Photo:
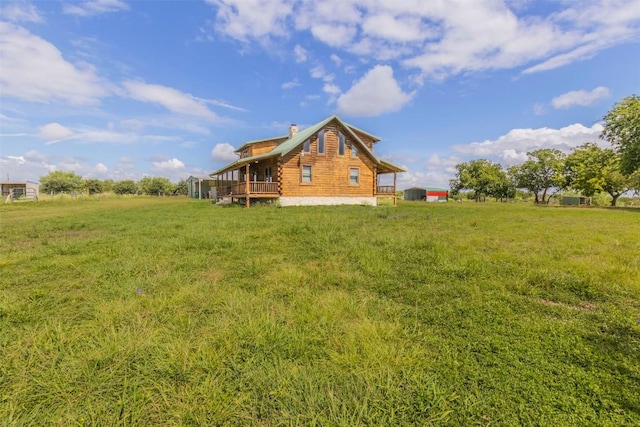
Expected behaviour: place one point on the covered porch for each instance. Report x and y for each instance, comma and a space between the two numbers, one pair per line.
247, 179
386, 181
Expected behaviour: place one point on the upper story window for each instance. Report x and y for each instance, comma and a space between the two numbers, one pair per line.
354, 150
321, 142
306, 147
245, 153
341, 142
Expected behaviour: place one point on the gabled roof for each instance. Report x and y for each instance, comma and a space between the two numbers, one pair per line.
291, 143
248, 143
375, 138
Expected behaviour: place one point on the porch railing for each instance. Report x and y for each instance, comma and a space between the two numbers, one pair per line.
255, 187
385, 189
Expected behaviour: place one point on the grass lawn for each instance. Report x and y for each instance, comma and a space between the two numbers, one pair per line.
169, 311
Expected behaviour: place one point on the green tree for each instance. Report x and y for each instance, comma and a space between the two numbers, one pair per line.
126, 186
156, 186
59, 181
92, 186
181, 188
622, 130
541, 173
591, 169
107, 185
482, 176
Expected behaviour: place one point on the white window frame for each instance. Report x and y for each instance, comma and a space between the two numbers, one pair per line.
302, 174
357, 176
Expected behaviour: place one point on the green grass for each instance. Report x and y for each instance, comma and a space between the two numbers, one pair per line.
454, 314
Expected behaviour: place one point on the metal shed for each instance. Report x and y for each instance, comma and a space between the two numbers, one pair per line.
14, 190
575, 201
430, 194
415, 193
201, 187
435, 194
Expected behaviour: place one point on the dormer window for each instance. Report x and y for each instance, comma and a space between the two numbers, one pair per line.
341, 142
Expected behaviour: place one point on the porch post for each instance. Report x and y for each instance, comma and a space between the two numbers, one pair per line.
247, 179
394, 189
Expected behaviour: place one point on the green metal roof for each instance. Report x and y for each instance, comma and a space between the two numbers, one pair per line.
375, 138
286, 146
255, 141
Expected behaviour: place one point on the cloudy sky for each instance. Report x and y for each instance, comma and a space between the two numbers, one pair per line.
123, 88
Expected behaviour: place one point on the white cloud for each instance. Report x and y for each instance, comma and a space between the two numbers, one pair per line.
539, 109
335, 35
170, 98
300, 53
28, 166
580, 97
168, 165
331, 88
336, 59
55, 132
442, 38
101, 168
374, 94
512, 147
21, 11
252, 19
290, 84
94, 7
223, 153
34, 70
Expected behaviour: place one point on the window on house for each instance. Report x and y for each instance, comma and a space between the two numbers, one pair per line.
306, 173
341, 143
245, 153
267, 174
321, 142
307, 146
354, 150
354, 176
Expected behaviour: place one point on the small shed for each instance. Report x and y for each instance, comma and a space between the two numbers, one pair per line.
575, 201
430, 194
415, 193
437, 194
201, 187
15, 190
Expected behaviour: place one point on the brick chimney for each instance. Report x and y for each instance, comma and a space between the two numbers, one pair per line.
293, 129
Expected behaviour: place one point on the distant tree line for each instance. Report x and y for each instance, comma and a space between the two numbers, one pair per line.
588, 169
70, 182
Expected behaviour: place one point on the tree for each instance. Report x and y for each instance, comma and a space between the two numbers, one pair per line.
92, 186
591, 169
107, 185
155, 186
622, 130
542, 172
181, 188
59, 182
482, 176
125, 187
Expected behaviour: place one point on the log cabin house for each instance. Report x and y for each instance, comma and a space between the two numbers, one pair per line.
328, 163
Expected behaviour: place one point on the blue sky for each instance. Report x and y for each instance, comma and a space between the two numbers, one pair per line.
125, 89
